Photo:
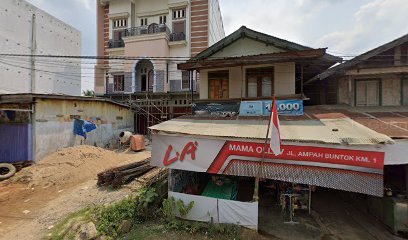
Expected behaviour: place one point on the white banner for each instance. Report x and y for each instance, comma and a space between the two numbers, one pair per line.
204, 208
208, 209
183, 153
216, 156
241, 213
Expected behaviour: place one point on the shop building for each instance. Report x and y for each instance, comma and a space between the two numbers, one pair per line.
35, 125
217, 155
378, 77
372, 89
197, 150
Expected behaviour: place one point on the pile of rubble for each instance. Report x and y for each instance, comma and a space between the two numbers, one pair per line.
72, 165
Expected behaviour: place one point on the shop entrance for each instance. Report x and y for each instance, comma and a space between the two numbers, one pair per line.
217, 198
212, 185
284, 210
335, 214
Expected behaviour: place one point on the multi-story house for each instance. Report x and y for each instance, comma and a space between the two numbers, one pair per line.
152, 35
378, 77
319, 154
230, 141
28, 30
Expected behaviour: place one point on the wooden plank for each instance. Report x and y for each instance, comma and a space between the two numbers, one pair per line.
383, 70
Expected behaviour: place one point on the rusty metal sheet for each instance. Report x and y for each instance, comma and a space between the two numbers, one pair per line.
332, 131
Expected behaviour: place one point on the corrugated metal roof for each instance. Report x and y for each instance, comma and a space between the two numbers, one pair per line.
389, 120
331, 131
341, 68
29, 97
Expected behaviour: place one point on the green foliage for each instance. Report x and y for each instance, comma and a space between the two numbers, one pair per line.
146, 197
110, 217
88, 93
230, 230
171, 206
183, 209
169, 209
63, 228
216, 231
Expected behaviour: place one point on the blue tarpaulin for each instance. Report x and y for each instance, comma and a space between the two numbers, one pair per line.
81, 127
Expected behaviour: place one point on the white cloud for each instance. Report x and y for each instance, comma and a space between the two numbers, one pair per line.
374, 24
277, 17
292, 20
88, 4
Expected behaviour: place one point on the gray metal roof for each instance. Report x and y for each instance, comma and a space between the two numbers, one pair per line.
339, 69
329, 131
30, 97
244, 32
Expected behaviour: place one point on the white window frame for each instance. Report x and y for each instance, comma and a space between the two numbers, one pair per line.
143, 21
163, 19
179, 14
119, 23
122, 75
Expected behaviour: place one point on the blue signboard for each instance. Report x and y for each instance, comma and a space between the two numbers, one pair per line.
263, 108
251, 108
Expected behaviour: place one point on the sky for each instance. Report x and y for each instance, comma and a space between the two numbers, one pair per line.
345, 27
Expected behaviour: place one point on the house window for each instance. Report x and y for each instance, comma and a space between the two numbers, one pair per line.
163, 19
404, 91
218, 84
179, 14
143, 22
118, 83
367, 92
179, 27
260, 82
185, 80
117, 35
120, 23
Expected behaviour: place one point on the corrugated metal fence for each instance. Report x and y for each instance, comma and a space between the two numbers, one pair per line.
15, 143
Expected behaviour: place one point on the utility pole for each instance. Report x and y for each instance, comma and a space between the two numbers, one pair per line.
33, 50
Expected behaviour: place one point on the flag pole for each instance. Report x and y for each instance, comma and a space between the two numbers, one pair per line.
256, 191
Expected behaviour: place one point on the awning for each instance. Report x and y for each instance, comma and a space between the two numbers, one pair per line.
333, 153
349, 169
291, 56
329, 131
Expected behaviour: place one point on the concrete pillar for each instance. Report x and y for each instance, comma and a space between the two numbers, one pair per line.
350, 91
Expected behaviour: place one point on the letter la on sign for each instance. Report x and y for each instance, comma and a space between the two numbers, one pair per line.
189, 149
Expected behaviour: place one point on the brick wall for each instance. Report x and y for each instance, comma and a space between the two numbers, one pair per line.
106, 33
199, 26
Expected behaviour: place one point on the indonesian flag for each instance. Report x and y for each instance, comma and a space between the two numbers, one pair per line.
276, 141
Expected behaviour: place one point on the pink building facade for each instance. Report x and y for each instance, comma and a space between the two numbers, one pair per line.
151, 35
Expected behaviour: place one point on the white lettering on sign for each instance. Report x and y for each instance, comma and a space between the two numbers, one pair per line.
339, 157
310, 154
363, 159
241, 148
288, 106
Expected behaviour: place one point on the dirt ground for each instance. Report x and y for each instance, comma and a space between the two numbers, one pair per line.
332, 218
343, 220
37, 197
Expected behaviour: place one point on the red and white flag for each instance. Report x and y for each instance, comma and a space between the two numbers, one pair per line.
274, 130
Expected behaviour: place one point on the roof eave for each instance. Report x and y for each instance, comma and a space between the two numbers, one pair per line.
294, 56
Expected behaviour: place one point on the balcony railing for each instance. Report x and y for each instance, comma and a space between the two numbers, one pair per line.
177, 36
151, 29
116, 43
